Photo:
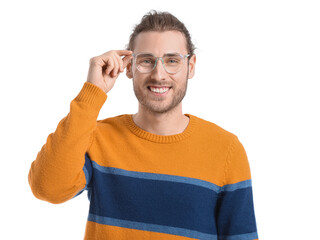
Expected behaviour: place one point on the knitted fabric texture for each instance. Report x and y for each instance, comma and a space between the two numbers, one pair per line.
191, 185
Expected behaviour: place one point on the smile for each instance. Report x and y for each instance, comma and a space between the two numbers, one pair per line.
159, 91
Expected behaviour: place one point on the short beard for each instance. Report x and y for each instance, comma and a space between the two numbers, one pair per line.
158, 108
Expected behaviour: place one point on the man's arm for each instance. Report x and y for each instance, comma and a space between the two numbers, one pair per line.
235, 211
60, 170
57, 173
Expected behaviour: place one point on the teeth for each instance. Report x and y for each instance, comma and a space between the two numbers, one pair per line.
159, 90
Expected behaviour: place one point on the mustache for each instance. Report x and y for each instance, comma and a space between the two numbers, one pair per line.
158, 84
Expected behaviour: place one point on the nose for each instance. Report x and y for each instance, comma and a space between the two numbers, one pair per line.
159, 72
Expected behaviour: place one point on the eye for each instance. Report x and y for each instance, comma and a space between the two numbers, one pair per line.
147, 60
173, 61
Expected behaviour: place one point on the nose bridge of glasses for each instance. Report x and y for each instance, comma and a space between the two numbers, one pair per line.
156, 63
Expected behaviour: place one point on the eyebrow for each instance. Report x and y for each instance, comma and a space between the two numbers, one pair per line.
171, 54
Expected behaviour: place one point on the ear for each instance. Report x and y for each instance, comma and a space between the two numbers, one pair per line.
192, 65
129, 70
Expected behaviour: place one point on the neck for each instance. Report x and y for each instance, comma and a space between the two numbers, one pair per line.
161, 123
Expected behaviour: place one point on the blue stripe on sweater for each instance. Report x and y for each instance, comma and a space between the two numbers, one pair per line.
246, 236
235, 213
155, 176
236, 186
87, 169
152, 201
172, 178
170, 204
151, 227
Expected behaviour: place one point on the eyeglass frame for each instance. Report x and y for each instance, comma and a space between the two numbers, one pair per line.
156, 62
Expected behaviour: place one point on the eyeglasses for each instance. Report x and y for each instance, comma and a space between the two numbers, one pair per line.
146, 62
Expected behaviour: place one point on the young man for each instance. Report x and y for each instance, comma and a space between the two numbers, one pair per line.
156, 174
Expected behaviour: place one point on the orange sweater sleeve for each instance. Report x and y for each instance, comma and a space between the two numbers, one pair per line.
236, 207
56, 175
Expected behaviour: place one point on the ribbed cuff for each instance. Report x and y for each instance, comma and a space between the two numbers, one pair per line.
92, 95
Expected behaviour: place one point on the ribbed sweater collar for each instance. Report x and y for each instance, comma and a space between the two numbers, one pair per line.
161, 138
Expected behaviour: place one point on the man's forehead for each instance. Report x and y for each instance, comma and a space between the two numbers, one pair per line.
160, 43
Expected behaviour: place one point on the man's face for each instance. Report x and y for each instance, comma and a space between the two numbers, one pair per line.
159, 44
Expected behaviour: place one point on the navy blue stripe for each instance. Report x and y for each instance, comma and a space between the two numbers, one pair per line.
155, 176
235, 212
246, 236
173, 178
159, 202
87, 169
236, 186
151, 227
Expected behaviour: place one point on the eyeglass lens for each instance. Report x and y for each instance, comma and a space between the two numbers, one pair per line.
146, 62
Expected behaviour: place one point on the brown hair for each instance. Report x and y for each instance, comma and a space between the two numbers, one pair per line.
161, 21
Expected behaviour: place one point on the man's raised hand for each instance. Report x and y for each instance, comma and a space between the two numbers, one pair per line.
105, 69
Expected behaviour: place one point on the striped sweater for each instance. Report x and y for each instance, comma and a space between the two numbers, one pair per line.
191, 185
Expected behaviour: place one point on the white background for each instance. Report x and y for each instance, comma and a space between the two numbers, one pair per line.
257, 76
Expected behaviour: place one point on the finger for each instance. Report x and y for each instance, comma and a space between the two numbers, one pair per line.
123, 52
110, 66
105, 57
126, 60
116, 66
119, 62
